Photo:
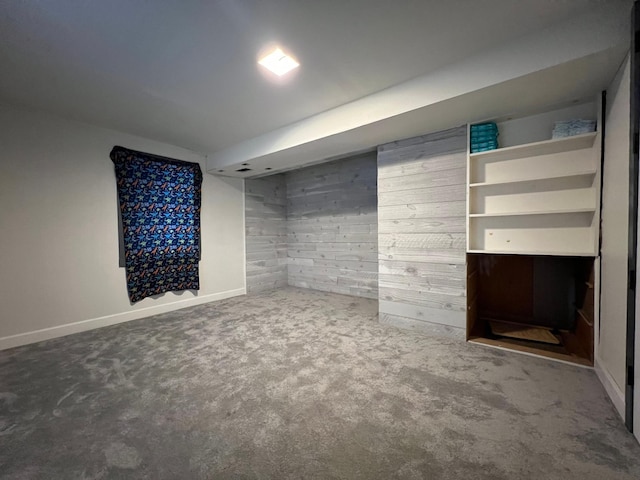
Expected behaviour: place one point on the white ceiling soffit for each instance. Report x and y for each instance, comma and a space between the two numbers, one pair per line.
184, 72
569, 61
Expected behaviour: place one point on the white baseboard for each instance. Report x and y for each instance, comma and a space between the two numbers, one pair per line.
93, 323
610, 386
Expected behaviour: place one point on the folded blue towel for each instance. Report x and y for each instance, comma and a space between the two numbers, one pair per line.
483, 137
484, 127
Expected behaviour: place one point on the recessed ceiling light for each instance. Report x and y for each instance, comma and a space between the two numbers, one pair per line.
278, 62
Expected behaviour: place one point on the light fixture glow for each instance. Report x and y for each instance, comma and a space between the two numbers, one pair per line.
278, 62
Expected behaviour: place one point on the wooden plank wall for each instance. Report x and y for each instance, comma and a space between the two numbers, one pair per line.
421, 232
332, 226
266, 233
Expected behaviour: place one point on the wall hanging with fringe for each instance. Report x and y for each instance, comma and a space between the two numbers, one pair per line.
159, 214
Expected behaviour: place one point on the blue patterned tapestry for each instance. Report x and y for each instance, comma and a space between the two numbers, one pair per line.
159, 200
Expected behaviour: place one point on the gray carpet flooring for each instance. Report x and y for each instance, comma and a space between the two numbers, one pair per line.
297, 384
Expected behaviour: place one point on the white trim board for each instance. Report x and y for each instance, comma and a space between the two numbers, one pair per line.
244, 234
610, 386
93, 323
530, 354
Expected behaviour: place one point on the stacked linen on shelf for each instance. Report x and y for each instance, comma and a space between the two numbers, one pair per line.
484, 136
569, 128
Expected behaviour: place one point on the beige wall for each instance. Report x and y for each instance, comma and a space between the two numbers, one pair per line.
615, 202
59, 239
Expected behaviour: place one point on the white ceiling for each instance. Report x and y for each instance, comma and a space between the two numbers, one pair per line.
184, 71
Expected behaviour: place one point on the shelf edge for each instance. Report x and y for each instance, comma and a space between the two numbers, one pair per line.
542, 145
537, 179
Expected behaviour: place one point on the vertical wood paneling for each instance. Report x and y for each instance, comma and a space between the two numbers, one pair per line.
421, 207
266, 233
332, 227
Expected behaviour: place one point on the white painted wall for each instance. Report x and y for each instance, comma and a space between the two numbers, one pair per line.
59, 237
615, 201
536, 128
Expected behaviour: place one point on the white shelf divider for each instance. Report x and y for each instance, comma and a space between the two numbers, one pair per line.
536, 252
540, 212
541, 178
546, 147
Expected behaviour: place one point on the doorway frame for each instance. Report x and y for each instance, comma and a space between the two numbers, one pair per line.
632, 260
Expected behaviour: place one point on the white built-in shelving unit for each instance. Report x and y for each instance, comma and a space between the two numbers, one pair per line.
531, 204
537, 198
